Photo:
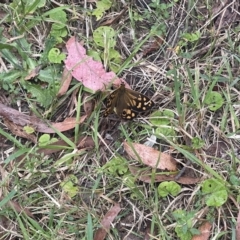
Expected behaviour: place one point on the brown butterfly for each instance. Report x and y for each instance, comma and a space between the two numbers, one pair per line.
127, 103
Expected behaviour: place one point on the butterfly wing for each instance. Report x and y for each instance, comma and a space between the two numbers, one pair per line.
131, 102
111, 103
127, 103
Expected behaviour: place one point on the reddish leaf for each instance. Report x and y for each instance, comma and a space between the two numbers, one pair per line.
18, 131
16, 118
86, 143
86, 70
101, 233
33, 73
154, 46
67, 124
88, 104
205, 232
150, 156
66, 80
146, 176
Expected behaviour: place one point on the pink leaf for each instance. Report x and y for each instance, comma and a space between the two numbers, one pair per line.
101, 233
86, 70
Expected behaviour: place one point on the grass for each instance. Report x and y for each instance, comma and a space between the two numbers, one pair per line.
63, 190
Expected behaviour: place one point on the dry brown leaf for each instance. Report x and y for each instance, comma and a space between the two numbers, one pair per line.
33, 73
101, 233
67, 124
88, 104
114, 18
19, 131
66, 80
154, 46
18, 208
86, 142
150, 156
16, 118
146, 176
205, 232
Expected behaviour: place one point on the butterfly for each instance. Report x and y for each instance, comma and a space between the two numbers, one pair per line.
127, 103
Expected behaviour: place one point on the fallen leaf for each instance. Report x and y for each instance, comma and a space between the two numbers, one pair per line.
154, 46
146, 176
115, 18
18, 208
101, 233
66, 125
16, 118
88, 104
86, 70
19, 131
205, 232
66, 80
33, 73
86, 142
150, 156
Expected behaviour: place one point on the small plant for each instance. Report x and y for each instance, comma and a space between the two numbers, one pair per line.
215, 192
58, 28
117, 166
69, 185
197, 143
163, 121
214, 100
45, 140
104, 37
184, 227
168, 188
101, 7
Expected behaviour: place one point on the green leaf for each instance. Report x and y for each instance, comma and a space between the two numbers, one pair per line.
105, 37
191, 37
43, 96
95, 55
51, 75
116, 166
214, 100
45, 140
181, 234
167, 131
168, 188
29, 129
69, 185
217, 199
159, 118
114, 60
59, 32
101, 7
197, 143
55, 56
216, 193
60, 16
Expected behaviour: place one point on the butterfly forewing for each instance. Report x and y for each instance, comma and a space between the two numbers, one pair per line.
127, 103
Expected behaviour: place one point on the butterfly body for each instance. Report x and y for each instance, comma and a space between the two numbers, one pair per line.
127, 103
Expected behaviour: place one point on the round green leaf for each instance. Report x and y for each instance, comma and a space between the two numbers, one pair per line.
214, 100
105, 37
168, 188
